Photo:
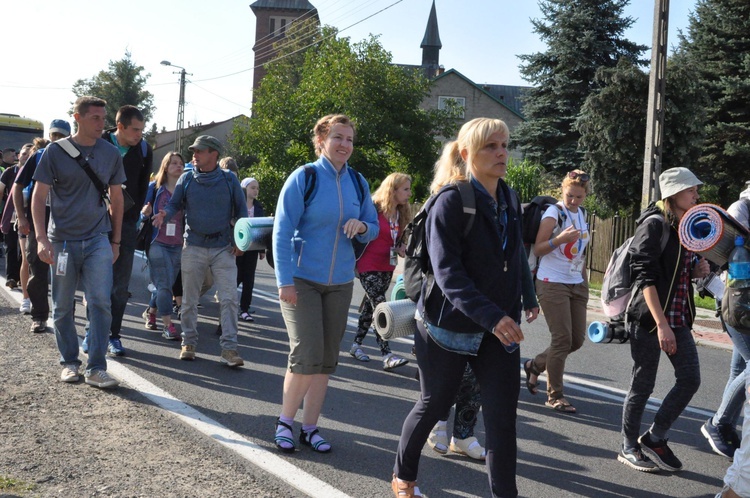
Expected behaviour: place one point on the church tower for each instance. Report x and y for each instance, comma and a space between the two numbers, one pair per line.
271, 20
431, 46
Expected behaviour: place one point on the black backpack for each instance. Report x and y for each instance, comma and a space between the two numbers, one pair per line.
417, 261
532, 216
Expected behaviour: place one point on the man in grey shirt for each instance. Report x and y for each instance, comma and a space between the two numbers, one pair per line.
77, 244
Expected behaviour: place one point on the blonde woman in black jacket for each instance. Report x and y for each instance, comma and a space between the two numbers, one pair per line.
660, 317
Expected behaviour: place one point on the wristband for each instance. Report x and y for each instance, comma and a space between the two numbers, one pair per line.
553, 246
115, 243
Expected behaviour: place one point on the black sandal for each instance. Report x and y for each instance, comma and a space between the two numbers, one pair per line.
306, 439
278, 439
530, 370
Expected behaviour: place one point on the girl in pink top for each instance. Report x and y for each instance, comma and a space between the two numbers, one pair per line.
377, 263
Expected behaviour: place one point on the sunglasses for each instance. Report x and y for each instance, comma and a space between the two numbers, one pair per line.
583, 177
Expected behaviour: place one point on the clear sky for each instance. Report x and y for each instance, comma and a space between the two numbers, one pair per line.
48, 45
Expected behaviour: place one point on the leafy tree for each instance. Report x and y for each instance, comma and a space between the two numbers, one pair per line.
582, 36
612, 125
122, 83
336, 76
717, 48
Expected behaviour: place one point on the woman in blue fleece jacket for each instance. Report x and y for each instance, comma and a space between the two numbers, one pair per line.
314, 264
472, 313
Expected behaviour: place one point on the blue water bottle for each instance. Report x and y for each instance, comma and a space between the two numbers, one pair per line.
739, 265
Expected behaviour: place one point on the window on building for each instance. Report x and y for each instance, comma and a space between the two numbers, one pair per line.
455, 104
278, 26
272, 26
282, 30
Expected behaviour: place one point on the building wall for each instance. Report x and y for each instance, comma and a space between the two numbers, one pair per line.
263, 47
477, 103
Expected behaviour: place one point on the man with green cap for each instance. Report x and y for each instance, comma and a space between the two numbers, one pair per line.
211, 199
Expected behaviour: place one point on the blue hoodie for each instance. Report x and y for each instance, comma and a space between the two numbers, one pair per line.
309, 241
208, 206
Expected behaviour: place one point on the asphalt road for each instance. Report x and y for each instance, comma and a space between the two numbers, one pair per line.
559, 455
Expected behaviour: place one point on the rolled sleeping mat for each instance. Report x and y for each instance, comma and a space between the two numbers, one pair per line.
399, 291
708, 230
253, 234
395, 319
607, 332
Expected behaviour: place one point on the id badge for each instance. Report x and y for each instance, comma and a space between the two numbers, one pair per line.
62, 264
394, 257
576, 266
171, 229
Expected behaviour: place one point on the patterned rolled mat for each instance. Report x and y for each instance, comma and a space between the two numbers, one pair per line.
395, 319
253, 234
710, 231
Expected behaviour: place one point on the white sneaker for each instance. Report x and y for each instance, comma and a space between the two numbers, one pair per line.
70, 373
25, 306
101, 379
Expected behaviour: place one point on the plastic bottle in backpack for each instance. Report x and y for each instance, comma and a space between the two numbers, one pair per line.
739, 265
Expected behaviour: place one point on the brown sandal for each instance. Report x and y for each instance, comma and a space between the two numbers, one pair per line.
560, 405
530, 370
405, 489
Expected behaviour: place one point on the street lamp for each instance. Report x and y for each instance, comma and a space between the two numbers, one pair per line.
180, 106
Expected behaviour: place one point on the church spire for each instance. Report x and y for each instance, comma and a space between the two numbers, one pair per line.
431, 45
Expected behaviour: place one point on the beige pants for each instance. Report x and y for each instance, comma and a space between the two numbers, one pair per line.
564, 308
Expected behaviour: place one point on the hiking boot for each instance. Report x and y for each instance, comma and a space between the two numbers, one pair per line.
635, 459
356, 351
170, 332
70, 373
392, 362
101, 379
25, 307
187, 352
231, 358
85, 343
150, 320
11, 284
39, 326
722, 438
115, 348
660, 453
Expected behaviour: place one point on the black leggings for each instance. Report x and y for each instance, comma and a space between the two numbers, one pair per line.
440, 374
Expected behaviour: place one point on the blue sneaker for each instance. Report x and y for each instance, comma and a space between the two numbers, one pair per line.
115, 348
85, 344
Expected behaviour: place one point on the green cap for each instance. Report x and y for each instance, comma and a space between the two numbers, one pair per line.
207, 141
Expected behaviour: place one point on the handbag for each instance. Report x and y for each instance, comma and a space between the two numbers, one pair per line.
144, 235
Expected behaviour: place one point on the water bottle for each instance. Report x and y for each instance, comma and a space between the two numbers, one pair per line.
739, 265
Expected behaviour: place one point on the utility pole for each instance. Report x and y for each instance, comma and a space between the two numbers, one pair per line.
180, 112
180, 107
655, 117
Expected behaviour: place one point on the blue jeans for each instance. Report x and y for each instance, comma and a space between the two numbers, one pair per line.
163, 265
89, 261
645, 351
734, 392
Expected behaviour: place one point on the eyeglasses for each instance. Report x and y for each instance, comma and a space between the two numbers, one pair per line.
583, 177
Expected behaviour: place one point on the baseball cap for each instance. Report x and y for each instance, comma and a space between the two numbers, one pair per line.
60, 126
207, 141
675, 180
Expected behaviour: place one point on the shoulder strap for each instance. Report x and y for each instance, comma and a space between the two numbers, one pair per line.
310, 179
67, 145
357, 180
469, 202
144, 148
665, 230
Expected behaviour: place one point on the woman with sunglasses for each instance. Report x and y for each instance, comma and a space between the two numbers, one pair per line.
562, 287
